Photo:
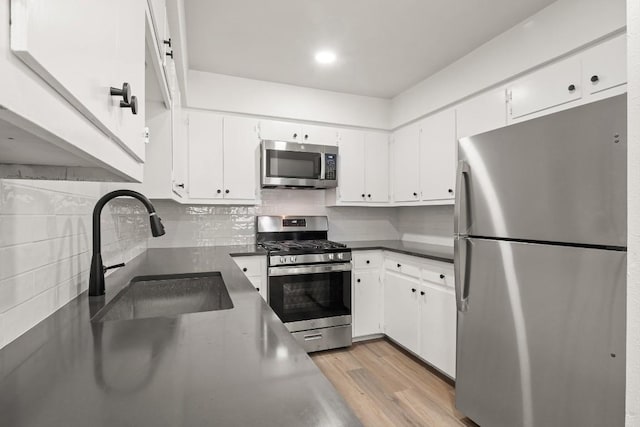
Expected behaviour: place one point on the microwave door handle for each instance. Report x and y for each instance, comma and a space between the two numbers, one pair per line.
322, 166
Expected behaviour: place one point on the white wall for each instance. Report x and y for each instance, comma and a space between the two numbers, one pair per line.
633, 188
560, 28
427, 224
224, 93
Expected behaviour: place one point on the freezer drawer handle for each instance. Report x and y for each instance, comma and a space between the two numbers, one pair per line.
460, 264
459, 220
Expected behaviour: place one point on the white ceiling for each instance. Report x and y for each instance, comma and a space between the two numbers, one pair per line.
383, 46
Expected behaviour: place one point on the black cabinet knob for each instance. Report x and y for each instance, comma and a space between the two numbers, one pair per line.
133, 104
226, 191
180, 185
442, 276
244, 269
170, 54
571, 88
358, 280
258, 289
362, 195
219, 191
421, 292
369, 195
399, 265
595, 78
125, 92
415, 194
450, 191
295, 135
368, 262
413, 289
306, 136
167, 42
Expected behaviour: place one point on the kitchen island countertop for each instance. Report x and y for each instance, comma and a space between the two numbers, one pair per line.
237, 367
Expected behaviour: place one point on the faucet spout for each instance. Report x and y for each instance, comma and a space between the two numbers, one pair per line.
96, 274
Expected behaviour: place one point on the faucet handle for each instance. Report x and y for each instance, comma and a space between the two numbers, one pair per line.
105, 268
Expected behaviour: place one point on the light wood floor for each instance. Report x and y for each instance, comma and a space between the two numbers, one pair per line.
385, 386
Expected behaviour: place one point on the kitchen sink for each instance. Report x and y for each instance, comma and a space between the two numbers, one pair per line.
166, 296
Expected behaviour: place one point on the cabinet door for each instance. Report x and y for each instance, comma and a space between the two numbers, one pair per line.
376, 177
438, 156
158, 10
241, 156
367, 303
401, 309
551, 86
351, 166
205, 156
280, 131
482, 113
179, 148
405, 164
320, 135
78, 48
605, 66
438, 327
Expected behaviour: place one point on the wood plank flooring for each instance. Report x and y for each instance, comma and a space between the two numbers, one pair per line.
385, 386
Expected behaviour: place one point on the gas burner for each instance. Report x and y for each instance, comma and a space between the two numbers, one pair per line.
301, 245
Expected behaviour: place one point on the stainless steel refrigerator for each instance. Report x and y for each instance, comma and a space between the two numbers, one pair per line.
540, 258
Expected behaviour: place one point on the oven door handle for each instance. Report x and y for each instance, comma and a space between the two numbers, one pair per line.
309, 269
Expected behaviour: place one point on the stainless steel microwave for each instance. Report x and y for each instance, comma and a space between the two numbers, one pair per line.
298, 165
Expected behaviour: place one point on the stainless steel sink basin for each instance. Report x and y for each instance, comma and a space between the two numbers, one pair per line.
166, 296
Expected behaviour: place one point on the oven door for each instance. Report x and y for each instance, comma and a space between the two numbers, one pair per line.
311, 296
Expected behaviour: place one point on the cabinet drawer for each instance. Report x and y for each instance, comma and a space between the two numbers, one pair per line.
251, 265
441, 276
401, 266
366, 259
605, 66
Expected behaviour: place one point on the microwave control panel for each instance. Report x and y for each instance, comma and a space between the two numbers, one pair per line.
330, 166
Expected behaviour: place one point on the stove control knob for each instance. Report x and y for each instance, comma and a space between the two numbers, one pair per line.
340, 256
330, 256
292, 259
283, 259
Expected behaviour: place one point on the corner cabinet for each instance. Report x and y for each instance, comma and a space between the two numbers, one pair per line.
363, 169
223, 159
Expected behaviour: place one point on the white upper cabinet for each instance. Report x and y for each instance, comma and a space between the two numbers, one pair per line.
241, 158
82, 49
206, 174
179, 148
223, 158
376, 155
557, 84
482, 113
405, 164
605, 66
351, 167
438, 156
296, 132
158, 10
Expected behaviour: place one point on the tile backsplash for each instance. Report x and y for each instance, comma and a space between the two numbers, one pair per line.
201, 225
430, 224
45, 245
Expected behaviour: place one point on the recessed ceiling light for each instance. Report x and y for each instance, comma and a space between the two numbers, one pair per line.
325, 57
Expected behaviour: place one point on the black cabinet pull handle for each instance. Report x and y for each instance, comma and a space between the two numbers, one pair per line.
167, 42
595, 78
180, 185
226, 191
358, 280
413, 289
450, 191
571, 88
399, 265
421, 292
244, 269
368, 262
125, 92
442, 276
170, 54
258, 289
219, 191
133, 105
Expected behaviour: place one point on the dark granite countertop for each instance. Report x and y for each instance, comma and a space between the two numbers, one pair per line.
423, 250
238, 367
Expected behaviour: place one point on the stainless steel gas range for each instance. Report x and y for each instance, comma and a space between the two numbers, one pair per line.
309, 279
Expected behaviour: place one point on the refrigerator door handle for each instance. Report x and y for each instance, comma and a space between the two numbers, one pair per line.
460, 265
460, 220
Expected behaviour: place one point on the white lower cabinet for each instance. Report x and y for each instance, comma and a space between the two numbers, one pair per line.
367, 306
255, 268
438, 327
401, 309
